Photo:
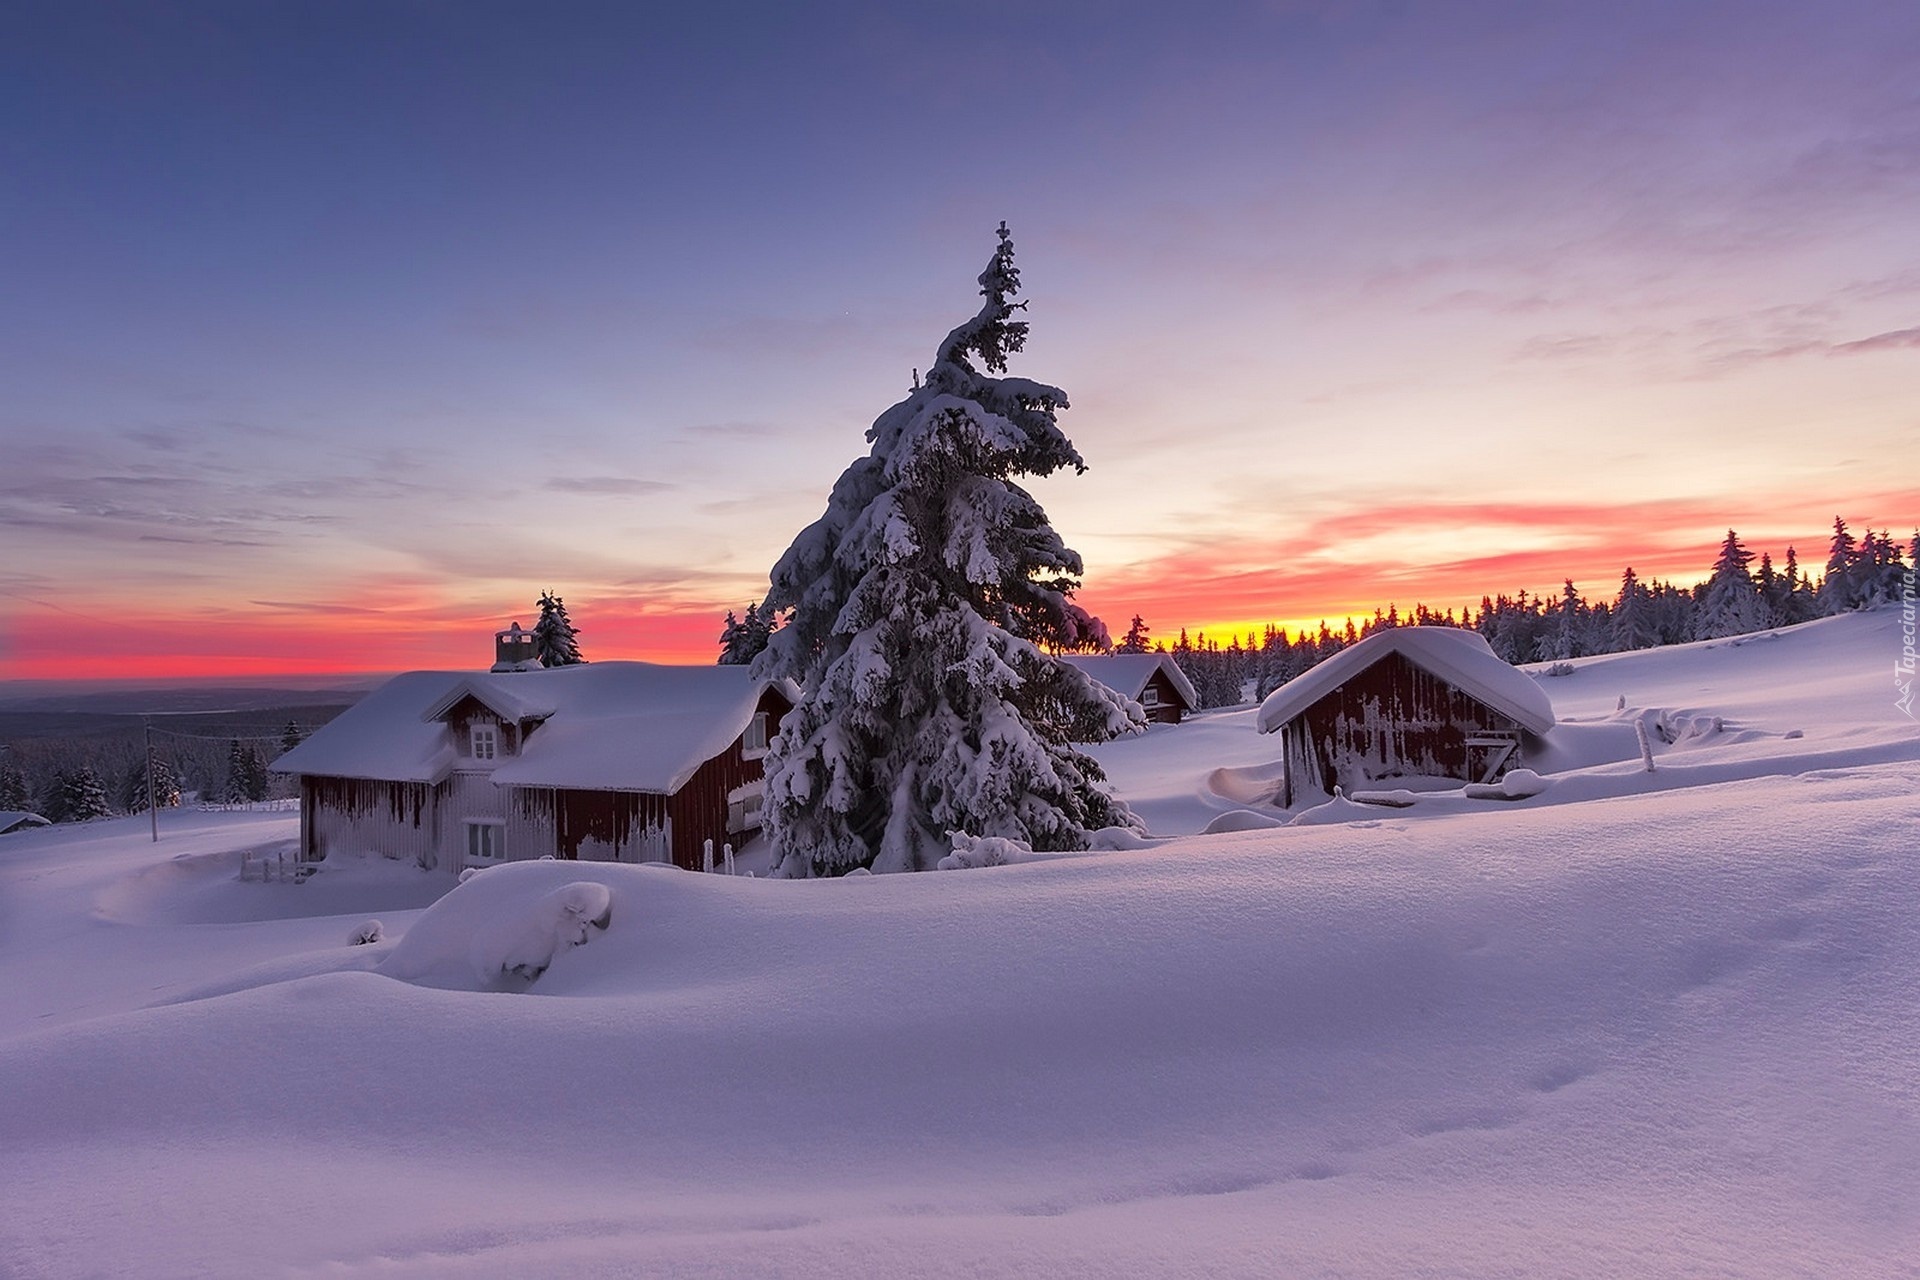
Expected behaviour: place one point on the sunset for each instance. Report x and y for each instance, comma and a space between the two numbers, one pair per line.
335, 335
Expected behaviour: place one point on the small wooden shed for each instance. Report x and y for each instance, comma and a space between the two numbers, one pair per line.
1153, 680
1403, 703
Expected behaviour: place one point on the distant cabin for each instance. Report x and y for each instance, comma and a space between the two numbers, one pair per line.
1405, 702
609, 761
1153, 680
12, 820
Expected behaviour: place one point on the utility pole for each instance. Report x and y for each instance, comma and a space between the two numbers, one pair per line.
153, 801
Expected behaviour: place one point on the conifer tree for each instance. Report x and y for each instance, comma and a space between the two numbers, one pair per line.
742, 639
239, 785
1838, 592
1730, 604
1135, 641
83, 796
556, 640
920, 602
1799, 604
290, 737
14, 795
166, 787
1633, 626
1568, 639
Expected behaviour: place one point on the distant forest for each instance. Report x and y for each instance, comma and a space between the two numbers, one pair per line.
1736, 598
72, 766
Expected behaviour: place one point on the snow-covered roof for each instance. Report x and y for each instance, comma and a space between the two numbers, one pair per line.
14, 819
1128, 673
1462, 658
613, 726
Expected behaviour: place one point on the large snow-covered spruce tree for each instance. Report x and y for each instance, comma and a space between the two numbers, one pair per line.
920, 602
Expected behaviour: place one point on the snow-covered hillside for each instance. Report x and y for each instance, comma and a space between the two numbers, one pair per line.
1607, 1030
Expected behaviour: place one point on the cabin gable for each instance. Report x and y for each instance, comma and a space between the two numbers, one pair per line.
1161, 701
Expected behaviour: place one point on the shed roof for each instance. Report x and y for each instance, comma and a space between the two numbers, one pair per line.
608, 726
16, 819
1128, 673
1462, 658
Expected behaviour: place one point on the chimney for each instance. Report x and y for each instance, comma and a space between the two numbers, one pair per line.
513, 650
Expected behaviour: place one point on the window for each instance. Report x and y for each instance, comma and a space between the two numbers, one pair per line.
486, 741
744, 806
486, 842
753, 743
1150, 697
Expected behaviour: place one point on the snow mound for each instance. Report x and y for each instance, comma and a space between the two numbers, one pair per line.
498, 928
1250, 784
1338, 809
1518, 784
1243, 820
1109, 839
983, 851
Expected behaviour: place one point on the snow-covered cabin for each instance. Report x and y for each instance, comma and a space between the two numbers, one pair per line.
1405, 702
1154, 680
608, 761
20, 820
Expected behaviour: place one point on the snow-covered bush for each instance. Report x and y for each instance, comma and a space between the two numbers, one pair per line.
371, 931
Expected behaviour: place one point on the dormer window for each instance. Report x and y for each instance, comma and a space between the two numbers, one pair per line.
753, 743
485, 740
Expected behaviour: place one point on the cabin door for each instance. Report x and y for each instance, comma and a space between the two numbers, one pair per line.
1488, 754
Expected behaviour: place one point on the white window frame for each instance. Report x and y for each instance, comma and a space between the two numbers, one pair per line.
1150, 696
483, 741
753, 742
486, 843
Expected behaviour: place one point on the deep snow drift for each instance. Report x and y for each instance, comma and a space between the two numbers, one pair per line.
1663, 1031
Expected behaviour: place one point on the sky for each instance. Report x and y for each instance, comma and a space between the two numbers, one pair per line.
331, 334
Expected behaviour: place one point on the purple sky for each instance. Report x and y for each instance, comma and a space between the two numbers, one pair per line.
386, 317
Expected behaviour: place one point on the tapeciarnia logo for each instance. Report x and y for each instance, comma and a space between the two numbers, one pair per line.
1904, 664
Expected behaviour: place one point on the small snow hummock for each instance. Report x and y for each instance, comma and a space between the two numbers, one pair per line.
370, 932
1338, 809
499, 928
1242, 820
983, 851
1517, 784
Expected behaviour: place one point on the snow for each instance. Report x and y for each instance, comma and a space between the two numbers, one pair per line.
494, 928
1638, 1024
19, 820
1462, 658
625, 726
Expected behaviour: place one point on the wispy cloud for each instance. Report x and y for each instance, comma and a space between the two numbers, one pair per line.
628, 486
1892, 340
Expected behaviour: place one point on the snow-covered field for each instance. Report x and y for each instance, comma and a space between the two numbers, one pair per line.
1637, 1024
